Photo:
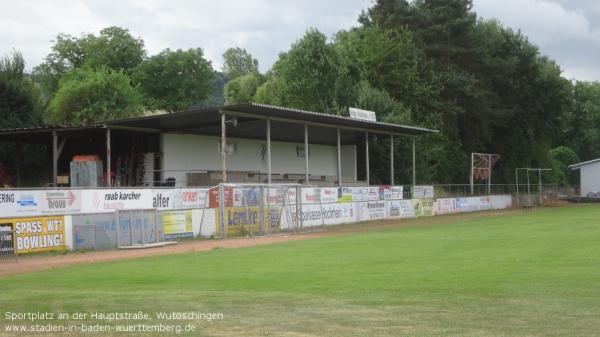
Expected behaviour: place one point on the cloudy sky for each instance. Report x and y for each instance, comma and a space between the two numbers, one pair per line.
566, 30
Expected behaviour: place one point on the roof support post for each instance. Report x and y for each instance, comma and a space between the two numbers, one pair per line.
54, 158
414, 162
367, 156
268, 151
108, 159
306, 172
391, 160
339, 157
223, 148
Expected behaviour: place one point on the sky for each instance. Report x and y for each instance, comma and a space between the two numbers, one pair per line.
567, 31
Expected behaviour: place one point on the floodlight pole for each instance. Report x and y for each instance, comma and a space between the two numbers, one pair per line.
268, 151
391, 160
306, 173
223, 148
339, 157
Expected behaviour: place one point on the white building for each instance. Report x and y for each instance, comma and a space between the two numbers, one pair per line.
589, 177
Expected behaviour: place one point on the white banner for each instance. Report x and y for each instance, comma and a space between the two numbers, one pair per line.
180, 198
329, 194
500, 201
372, 210
19, 203
422, 192
106, 201
280, 195
394, 193
472, 204
311, 195
446, 206
316, 215
373, 194
399, 209
359, 193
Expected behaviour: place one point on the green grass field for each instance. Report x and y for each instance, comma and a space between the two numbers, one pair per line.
526, 274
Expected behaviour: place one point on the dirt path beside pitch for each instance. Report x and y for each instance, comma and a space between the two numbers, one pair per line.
31, 263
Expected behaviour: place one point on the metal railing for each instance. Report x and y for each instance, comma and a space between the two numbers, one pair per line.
8, 251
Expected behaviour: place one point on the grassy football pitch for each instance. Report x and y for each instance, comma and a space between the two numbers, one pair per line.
523, 274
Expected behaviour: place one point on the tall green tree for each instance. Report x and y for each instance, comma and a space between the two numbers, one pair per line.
243, 89
312, 75
238, 62
114, 48
21, 105
175, 80
92, 95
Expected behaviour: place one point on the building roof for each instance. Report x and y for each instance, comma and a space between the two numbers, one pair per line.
263, 111
286, 124
579, 165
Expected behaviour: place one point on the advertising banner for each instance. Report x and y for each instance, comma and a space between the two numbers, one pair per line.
473, 204
500, 201
241, 221
311, 195
177, 224
213, 197
423, 207
60, 201
317, 215
280, 195
7, 246
372, 210
19, 203
246, 196
180, 198
109, 200
37, 234
359, 193
422, 192
400, 209
372, 194
395, 193
344, 194
329, 194
446, 206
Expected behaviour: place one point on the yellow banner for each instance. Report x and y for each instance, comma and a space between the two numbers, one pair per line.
177, 222
423, 207
241, 221
38, 234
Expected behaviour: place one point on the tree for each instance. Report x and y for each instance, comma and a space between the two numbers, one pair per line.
560, 158
21, 105
175, 80
243, 89
92, 95
114, 48
583, 120
238, 62
312, 76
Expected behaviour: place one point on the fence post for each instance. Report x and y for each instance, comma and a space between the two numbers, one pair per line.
261, 215
222, 211
156, 225
117, 224
142, 225
131, 228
